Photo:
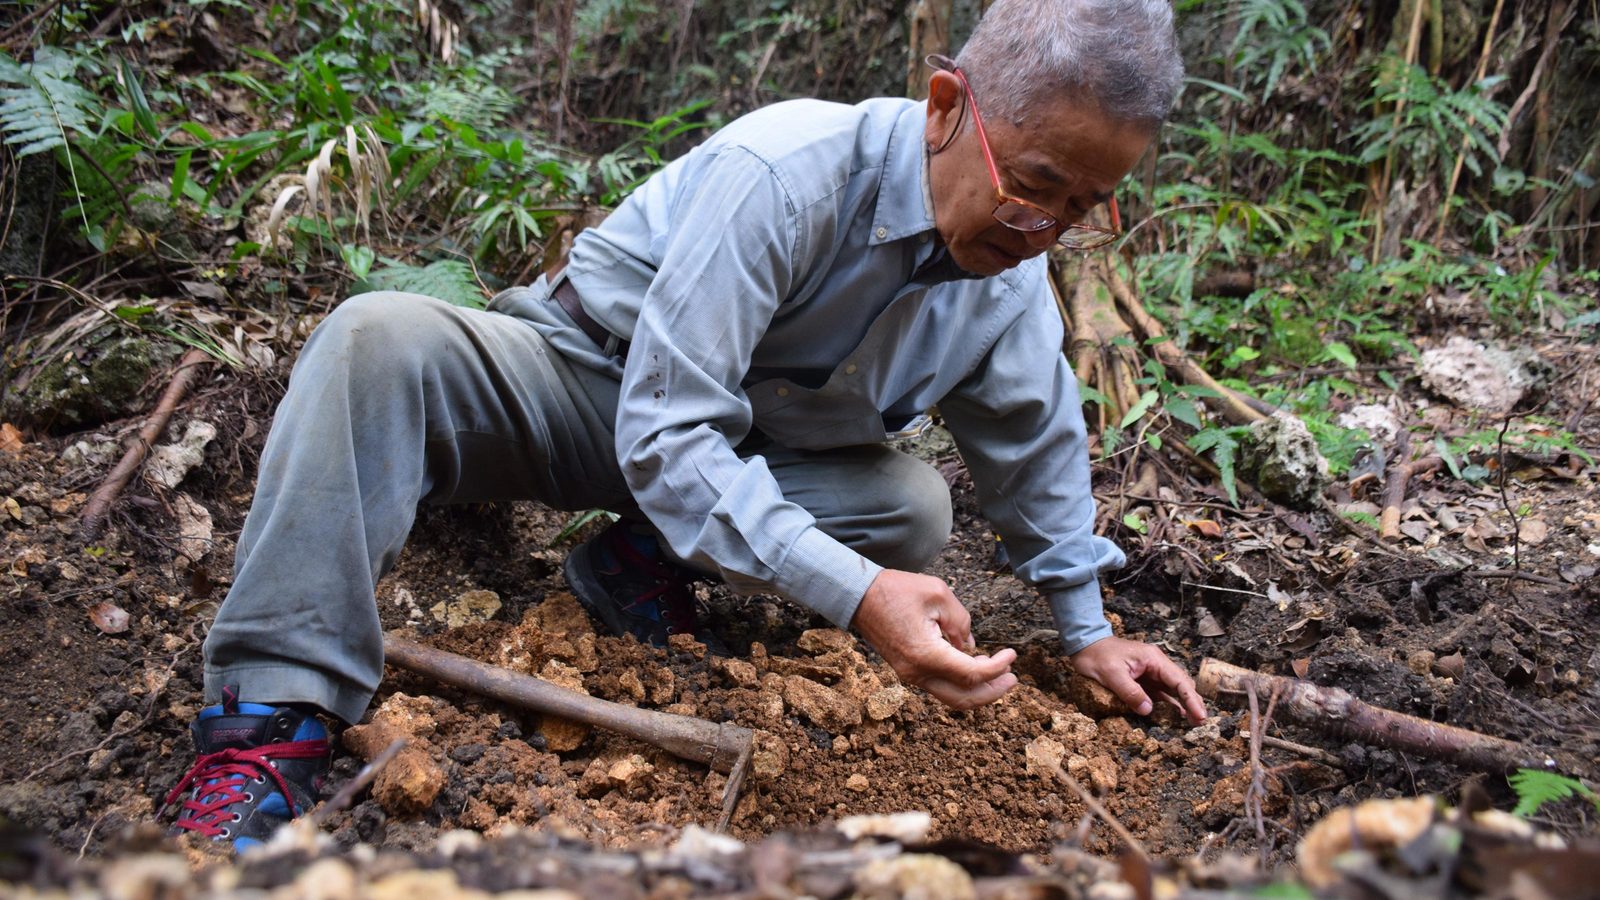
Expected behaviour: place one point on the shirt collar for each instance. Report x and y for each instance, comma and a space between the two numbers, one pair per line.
905, 204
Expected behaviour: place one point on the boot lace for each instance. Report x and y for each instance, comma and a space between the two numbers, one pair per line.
671, 588
220, 778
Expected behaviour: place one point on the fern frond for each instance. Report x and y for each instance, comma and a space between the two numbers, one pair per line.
1536, 787
41, 103
450, 280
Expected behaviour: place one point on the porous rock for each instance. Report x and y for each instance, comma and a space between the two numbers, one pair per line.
1043, 754
740, 672
821, 704
914, 876
1100, 771
886, 702
169, 463
410, 782
1282, 459
818, 641
563, 735
468, 608
1092, 698
858, 783
1480, 377
1072, 727
770, 756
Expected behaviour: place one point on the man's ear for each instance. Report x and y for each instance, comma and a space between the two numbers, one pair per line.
944, 109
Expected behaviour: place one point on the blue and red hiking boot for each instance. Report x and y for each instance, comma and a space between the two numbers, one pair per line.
621, 578
256, 767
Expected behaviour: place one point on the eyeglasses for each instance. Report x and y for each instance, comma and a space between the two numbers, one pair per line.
1018, 214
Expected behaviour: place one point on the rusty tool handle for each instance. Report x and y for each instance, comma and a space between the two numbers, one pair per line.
718, 745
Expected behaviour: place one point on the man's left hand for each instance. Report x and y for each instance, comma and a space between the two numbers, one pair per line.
1134, 671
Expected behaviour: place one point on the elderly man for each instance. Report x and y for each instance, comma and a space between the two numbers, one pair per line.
723, 362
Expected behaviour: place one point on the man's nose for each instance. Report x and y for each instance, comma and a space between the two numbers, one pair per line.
1041, 239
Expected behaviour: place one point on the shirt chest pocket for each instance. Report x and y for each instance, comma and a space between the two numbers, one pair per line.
808, 419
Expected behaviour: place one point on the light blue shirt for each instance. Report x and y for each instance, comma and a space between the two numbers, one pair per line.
786, 276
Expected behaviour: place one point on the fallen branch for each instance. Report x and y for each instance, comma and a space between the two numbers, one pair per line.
1394, 493
1338, 712
94, 512
367, 775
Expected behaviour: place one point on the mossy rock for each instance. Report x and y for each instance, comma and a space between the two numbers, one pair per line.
98, 381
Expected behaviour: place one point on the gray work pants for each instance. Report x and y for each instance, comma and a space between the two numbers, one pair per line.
398, 399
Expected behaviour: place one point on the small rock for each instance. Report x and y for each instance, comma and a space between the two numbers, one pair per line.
563, 735
1100, 771
821, 704
148, 875
1073, 727
740, 672
1283, 460
409, 783
818, 641
686, 643
629, 681
769, 707
326, 879
1473, 376
886, 702
914, 876
841, 745
1420, 662
596, 779
1092, 698
857, 782
1043, 753
903, 828
1206, 735
169, 463
469, 608
770, 758
1373, 418
412, 883
560, 613
194, 527
630, 773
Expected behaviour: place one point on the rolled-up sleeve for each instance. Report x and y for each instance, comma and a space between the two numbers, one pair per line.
1019, 424
681, 410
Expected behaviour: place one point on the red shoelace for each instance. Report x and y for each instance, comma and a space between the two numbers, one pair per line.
671, 590
222, 777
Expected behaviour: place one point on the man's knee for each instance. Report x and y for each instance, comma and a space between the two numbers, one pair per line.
919, 515
376, 333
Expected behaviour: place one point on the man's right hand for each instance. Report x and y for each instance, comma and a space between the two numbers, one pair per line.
924, 633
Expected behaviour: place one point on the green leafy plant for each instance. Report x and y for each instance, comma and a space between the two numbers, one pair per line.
450, 280
1536, 787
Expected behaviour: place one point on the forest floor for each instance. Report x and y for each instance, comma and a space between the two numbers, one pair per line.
102, 654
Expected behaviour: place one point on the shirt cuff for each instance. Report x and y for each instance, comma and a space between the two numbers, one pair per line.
1080, 617
826, 576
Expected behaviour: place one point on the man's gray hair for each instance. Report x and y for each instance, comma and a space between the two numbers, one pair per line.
1121, 55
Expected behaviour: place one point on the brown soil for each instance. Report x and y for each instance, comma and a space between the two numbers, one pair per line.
95, 722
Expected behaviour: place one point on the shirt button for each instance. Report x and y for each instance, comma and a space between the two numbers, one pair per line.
850, 369
882, 232
783, 392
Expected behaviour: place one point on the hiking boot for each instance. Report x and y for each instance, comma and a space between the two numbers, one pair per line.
256, 768
621, 578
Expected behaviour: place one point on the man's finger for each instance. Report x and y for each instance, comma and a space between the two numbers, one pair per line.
1173, 685
955, 622
958, 697
1121, 682
946, 662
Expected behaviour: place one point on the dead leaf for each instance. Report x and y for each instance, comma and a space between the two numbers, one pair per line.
1301, 665
1210, 627
10, 438
1478, 534
1204, 527
1452, 666
13, 508
1416, 530
109, 617
1532, 531
1279, 596
1577, 573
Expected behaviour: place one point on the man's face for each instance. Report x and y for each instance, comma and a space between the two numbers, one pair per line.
1067, 160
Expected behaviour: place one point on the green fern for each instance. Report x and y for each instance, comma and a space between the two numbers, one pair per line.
41, 103
1536, 787
450, 280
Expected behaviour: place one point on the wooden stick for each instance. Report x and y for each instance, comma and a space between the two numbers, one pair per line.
1394, 493
1340, 713
94, 512
723, 746
1312, 753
